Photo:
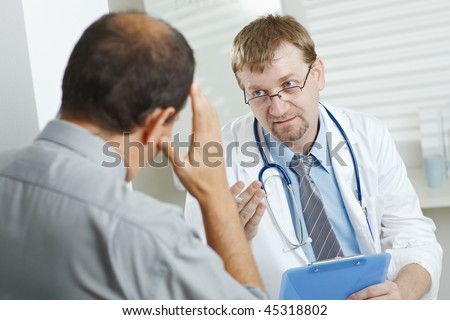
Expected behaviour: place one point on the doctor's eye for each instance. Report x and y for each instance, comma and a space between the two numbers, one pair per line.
289, 84
258, 93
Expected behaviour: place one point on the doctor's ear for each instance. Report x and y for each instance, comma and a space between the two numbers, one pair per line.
318, 70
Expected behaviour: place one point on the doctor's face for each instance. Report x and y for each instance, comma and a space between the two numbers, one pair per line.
293, 122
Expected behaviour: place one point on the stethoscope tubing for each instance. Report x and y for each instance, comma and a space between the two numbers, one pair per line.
352, 154
284, 175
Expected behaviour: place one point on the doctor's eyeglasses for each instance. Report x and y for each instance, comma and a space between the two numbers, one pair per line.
286, 94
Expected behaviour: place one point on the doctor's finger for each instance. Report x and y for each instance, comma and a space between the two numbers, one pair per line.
251, 228
248, 210
237, 188
249, 192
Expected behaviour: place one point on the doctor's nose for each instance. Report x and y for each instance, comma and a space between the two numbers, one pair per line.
278, 107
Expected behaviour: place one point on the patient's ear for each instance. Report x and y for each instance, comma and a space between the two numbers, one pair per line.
158, 124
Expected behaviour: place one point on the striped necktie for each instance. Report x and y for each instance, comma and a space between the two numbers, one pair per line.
324, 242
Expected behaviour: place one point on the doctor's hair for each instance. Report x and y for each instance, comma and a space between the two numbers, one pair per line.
255, 45
124, 66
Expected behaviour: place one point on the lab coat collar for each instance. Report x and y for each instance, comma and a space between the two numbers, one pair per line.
345, 174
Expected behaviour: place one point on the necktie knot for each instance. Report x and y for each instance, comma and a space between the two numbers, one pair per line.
302, 164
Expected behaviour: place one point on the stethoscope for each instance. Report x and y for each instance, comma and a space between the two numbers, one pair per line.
288, 183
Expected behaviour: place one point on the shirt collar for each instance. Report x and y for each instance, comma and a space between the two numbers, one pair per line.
85, 143
279, 152
282, 155
320, 148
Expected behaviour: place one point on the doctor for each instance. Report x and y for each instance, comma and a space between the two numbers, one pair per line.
355, 177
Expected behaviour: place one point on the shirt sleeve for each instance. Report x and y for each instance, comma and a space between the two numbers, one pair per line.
193, 216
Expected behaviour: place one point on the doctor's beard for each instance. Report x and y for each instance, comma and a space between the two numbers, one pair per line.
289, 133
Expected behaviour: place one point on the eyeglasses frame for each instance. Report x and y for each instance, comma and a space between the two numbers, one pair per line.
279, 92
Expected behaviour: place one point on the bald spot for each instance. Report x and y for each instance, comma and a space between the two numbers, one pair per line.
141, 28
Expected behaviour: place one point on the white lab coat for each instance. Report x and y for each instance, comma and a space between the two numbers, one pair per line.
394, 214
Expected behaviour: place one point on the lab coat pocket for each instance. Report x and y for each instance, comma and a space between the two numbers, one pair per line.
375, 209
374, 214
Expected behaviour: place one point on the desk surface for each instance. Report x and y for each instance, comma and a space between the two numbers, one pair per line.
429, 197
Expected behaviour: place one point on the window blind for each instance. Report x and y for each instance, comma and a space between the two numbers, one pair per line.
387, 58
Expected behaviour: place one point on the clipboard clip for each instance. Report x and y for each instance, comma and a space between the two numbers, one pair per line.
315, 263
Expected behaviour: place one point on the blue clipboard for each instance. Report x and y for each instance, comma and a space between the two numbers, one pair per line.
334, 279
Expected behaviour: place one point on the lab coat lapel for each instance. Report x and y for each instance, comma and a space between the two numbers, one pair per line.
345, 176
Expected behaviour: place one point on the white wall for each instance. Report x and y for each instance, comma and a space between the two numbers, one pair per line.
51, 38
36, 38
18, 117
122, 5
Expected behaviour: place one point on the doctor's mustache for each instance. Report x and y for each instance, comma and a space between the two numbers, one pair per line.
212, 154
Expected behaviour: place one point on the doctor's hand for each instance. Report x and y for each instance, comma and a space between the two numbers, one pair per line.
412, 282
388, 290
250, 205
